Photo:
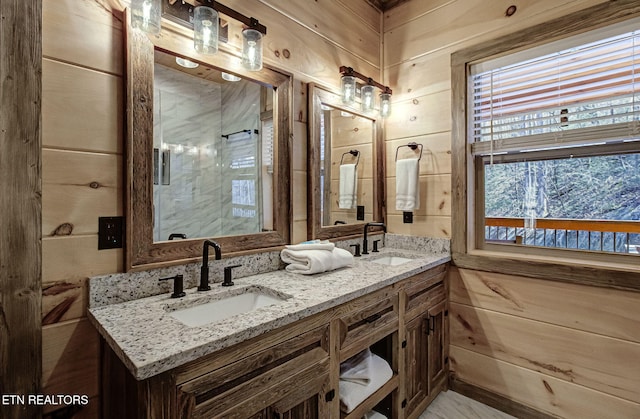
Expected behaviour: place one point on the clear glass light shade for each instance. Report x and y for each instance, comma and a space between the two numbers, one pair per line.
385, 104
146, 15
252, 50
367, 98
348, 89
205, 30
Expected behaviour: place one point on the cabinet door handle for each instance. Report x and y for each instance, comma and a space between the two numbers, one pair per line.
373, 318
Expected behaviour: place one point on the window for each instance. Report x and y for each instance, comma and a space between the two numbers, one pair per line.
547, 144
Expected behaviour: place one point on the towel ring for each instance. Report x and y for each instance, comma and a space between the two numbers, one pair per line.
354, 153
412, 146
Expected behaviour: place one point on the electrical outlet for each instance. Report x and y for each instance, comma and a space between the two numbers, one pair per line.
407, 217
360, 212
110, 232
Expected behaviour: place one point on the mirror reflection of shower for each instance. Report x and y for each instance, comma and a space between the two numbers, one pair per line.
210, 178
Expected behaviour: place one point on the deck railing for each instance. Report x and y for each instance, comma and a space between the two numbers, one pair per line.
599, 235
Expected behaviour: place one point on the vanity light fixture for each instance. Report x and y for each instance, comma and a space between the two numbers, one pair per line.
349, 87
202, 17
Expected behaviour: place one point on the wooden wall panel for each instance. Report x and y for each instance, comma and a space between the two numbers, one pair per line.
64, 300
94, 40
79, 187
419, 116
586, 338
425, 226
81, 109
408, 78
335, 22
20, 204
539, 391
365, 11
435, 196
591, 360
68, 258
411, 10
607, 312
71, 358
467, 22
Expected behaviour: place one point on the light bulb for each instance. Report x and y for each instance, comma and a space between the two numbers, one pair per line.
385, 104
348, 89
205, 30
366, 96
146, 15
252, 50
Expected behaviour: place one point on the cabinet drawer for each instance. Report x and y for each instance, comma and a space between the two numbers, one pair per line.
252, 383
361, 328
423, 293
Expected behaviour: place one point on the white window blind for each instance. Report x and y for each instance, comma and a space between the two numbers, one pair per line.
267, 144
582, 94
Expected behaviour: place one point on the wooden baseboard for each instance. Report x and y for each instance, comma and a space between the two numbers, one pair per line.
495, 400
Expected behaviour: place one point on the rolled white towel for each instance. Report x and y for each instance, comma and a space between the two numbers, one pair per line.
309, 262
357, 369
352, 394
312, 245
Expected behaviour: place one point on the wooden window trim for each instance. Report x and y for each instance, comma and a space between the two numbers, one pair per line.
613, 271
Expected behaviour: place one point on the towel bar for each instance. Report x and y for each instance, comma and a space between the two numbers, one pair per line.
412, 146
354, 153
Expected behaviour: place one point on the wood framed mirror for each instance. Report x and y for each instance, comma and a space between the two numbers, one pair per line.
256, 185
341, 135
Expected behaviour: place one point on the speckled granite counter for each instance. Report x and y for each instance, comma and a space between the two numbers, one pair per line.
149, 341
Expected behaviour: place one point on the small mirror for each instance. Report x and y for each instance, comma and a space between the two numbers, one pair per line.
207, 157
345, 167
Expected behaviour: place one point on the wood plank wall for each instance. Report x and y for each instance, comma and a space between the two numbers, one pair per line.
20, 206
82, 126
566, 350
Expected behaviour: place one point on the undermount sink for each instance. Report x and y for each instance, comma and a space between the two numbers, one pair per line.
223, 308
391, 260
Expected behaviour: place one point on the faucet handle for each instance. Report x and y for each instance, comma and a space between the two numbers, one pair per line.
228, 275
357, 249
178, 285
375, 245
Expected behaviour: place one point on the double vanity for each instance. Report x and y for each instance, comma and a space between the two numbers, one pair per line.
273, 343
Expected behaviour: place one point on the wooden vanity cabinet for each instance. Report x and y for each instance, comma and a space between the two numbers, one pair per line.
425, 345
293, 372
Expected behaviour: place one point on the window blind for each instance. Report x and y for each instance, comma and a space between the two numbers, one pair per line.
580, 95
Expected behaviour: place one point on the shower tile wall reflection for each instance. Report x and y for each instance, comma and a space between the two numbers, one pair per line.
190, 116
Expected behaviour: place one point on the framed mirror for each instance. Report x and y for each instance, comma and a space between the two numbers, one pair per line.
345, 167
208, 155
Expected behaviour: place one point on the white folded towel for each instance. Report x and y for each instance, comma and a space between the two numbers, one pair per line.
348, 186
407, 185
315, 261
357, 369
312, 245
372, 414
352, 394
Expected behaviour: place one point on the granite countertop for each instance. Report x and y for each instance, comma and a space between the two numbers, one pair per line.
149, 341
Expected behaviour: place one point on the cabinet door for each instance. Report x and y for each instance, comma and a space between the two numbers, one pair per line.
436, 344
416, 363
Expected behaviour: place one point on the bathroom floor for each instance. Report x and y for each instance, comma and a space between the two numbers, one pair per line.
451, 405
